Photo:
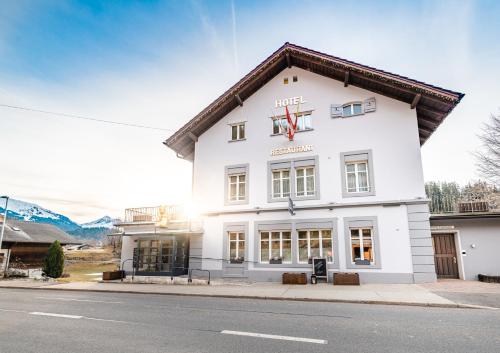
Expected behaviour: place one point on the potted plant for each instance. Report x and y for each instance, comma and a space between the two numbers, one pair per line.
275, 260
237, 260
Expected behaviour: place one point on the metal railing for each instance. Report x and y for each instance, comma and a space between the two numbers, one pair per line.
153, 214
439, 205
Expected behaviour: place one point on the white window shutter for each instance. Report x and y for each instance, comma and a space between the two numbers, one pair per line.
369, 105
336, 110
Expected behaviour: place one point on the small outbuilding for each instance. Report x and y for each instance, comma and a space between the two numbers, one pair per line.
466, 244
25, 244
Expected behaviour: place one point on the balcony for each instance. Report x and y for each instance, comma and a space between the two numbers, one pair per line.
454, 205
154, 214
160, 219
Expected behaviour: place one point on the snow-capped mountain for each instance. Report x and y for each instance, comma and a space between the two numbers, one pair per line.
26, 211
103, 222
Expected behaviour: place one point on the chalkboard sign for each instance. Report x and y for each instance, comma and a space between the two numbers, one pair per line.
319, 267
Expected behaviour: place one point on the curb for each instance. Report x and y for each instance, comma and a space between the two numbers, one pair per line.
318, 300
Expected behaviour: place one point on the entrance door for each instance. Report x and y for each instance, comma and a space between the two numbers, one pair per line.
445, 255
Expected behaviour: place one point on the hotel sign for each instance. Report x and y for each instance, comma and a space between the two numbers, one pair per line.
280, 103
292, 149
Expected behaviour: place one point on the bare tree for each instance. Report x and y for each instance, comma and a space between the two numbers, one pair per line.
488, 158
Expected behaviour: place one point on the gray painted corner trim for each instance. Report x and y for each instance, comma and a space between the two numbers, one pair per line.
229, 269
330, 206
227, 172
358, 222
421, 247
343, 176
314, 223
293, 178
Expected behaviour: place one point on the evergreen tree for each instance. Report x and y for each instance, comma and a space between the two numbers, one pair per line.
54, 262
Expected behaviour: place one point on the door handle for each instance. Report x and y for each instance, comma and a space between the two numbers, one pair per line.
454, 259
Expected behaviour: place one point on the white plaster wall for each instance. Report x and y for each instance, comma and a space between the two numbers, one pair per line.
390, 132
484, 258
392, 229
128, 245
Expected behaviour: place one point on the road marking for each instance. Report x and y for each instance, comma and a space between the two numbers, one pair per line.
56, 315
13, 311
79, 300
274, 337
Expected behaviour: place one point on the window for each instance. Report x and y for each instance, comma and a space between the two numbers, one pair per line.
236, 184
315, 243
295, 78
281, 183
352, 109
357, 176
362, 246
296, 178
237, 187
238, 132
280, 124
236, 246
285, 81
276, 247
305, 181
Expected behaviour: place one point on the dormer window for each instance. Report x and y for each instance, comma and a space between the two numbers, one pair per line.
237, 132
352, 109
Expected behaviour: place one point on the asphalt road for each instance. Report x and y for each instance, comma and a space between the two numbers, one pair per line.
58, 321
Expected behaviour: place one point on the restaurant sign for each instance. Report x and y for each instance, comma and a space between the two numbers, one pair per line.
292, 149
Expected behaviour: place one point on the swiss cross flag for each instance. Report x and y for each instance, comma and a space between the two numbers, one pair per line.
292, 127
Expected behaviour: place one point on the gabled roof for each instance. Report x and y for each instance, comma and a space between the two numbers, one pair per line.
432, 103
32, 232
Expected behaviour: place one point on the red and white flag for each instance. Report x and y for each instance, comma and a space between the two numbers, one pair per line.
292, 127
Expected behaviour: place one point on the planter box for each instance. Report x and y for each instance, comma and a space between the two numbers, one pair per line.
294, 278
113, 275
346, 279
488, 279
275, 261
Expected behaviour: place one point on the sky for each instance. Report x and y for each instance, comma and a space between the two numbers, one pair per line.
158, 63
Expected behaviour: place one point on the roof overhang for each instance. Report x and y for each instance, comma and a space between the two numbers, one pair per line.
432, 103
471, 215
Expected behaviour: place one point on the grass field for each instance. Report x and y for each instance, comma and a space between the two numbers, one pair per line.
86, 271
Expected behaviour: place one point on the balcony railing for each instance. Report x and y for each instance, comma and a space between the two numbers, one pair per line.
449, 205
154, 214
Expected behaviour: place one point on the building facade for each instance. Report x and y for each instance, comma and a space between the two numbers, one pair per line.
309, 156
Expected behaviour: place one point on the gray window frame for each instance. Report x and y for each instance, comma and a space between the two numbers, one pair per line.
343, 176
231, 131
362, 222
281, 116
293, 178
236, 169
227, 266
293, 226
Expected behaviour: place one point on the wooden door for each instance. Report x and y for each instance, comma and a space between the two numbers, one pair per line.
445, 255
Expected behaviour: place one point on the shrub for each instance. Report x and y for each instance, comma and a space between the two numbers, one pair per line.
53, 264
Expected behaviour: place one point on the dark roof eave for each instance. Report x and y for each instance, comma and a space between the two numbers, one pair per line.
286, 53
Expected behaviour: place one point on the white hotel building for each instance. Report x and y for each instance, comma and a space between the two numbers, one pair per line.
353, 172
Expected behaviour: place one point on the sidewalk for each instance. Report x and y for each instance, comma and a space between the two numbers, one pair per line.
394, 294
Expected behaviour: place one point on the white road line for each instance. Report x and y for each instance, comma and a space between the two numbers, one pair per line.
274, 337
56, 315
13, 311
80, 300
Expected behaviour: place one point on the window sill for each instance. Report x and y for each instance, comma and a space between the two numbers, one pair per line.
239, 140
346, 194
281, 134
354, 266
230, 203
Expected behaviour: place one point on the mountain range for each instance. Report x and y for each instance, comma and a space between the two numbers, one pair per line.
25, 211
